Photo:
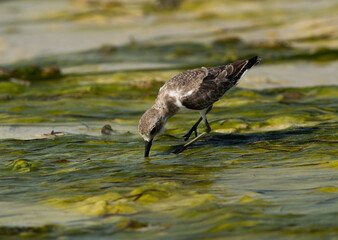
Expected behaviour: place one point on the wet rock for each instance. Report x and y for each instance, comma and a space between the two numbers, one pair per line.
4, 74
51, 72
293, 95
107, 50
22, 74
107, 130
133, 224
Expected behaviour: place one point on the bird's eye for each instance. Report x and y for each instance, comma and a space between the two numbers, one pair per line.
153, 131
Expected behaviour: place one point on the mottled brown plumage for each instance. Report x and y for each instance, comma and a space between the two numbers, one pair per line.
195, 89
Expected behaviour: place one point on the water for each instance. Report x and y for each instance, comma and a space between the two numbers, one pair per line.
267, 170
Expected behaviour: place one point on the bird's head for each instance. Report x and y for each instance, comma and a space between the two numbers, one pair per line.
150, 126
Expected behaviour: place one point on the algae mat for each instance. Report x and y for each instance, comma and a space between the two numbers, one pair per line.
268, 169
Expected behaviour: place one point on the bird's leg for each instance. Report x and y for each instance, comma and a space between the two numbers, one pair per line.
194, 127
207, 124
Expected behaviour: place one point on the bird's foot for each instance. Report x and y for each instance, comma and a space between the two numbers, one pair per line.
187, 136
185, 146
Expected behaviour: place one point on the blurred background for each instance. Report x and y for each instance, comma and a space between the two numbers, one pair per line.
86, 36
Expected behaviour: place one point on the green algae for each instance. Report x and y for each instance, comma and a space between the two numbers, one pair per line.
267, 170
27, 232
23, 166
10, 88
188, 54
269, 151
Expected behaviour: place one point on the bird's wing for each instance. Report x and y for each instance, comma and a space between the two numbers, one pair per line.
208, 90
218, 81
185, 81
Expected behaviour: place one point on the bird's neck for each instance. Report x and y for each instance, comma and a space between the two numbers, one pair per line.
162, 109
167, 108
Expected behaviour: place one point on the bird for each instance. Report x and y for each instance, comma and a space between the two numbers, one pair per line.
195, 89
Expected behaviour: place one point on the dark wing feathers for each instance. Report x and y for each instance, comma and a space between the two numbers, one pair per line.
209, 92
218, 81
238, 68
252, 62
191, 78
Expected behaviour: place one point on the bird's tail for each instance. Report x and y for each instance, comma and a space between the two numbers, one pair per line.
240, 67
252, 62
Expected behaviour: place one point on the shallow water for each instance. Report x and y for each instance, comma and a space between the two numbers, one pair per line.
267, 170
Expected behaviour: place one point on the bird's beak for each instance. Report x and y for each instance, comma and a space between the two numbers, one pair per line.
147, 147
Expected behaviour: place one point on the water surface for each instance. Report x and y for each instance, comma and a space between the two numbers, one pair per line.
267, 170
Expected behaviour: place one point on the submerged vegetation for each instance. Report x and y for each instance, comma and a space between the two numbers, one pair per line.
267, 146
71, 162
